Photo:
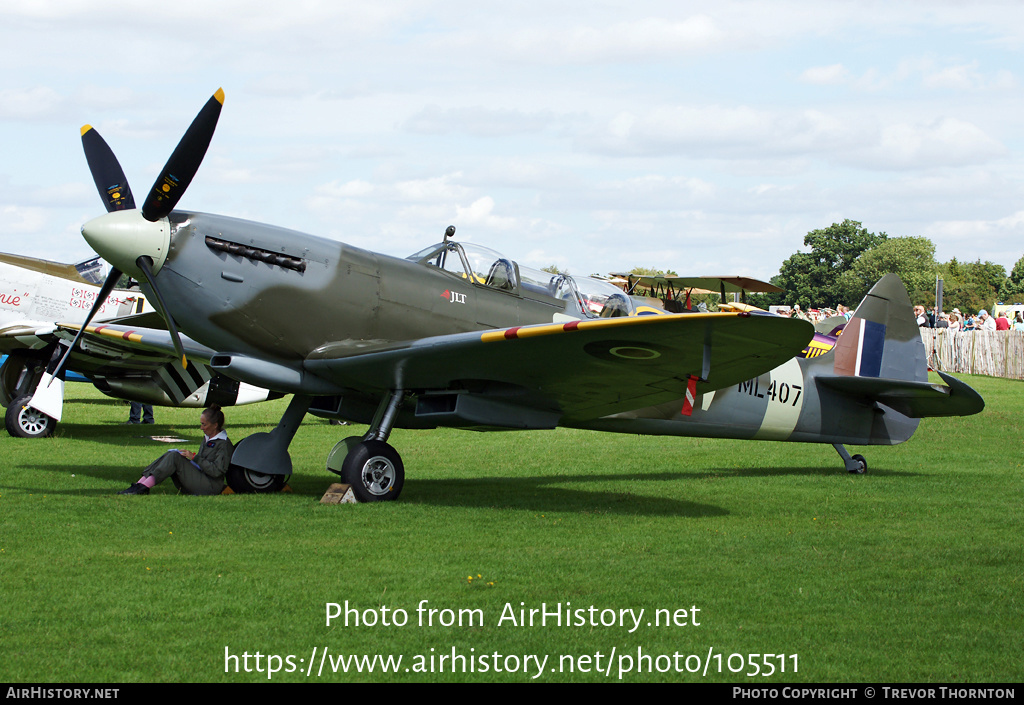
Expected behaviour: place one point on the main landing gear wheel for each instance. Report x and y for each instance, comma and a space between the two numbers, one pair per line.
374, 470
246, 481
22, 421
862, 465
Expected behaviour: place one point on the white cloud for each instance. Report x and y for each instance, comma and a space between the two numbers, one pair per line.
481, 213
744, 133
997, 240
968, 77
832, 75
20, 220
726, 132
40, 102
926, 72
350, 189
477, 121
645, 38
943, 142
439, 188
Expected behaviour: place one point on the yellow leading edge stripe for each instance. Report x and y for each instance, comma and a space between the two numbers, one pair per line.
110, 333
552, 328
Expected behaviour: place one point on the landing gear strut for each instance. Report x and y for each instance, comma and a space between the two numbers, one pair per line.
261, 462
855, 464
372, 468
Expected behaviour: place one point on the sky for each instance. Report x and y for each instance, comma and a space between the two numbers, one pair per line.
703, 137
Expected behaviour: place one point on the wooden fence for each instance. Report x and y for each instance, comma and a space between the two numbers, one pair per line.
993, 353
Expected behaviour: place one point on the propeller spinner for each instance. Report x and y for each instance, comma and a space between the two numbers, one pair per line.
137, 241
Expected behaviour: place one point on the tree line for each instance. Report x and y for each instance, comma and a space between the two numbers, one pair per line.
845, 261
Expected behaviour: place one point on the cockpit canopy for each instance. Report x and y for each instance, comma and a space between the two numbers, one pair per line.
483, 266
92, 270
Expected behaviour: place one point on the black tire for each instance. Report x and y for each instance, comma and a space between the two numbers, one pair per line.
246, 481
375, 472
861, 462
25, 422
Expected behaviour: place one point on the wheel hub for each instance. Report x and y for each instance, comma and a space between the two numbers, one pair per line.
32, 420
258, 480
378, 475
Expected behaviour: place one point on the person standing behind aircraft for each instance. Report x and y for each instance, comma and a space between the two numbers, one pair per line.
1001, 322
919, 315
199, 473
140, 413
1018, 323
985, 321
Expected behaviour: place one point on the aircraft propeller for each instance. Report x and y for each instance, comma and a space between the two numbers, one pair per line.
177, 173
106, 172
119, 239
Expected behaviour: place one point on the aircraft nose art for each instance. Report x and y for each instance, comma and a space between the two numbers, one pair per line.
121, 237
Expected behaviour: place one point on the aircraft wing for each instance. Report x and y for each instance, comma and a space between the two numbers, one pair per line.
109, 355
115, 351
135, 339
578, 369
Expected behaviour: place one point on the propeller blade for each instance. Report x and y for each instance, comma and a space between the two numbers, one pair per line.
177, 174
108, 286
145, 264
106, 172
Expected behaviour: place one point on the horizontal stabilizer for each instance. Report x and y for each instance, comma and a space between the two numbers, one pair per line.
912, 399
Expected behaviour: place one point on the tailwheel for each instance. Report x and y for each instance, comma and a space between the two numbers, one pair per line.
23, 421
374, 470
862, 464
246, 481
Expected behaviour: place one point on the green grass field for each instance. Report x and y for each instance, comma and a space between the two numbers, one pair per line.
912, 572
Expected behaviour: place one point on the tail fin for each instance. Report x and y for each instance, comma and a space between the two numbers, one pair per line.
882, 339
880, 357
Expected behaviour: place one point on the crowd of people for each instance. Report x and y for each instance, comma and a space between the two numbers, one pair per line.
814, 315
955, 320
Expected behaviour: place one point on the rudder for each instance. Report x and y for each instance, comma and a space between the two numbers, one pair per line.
882, 339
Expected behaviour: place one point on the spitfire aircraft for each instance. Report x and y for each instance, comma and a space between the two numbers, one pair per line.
461, 336
35, 295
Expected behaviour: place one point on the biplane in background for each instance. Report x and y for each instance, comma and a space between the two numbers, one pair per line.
461, 336
671, 293
674, 292
35, 295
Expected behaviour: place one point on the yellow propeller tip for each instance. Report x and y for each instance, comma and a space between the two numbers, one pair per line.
85, 128
184, 363
219, 95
